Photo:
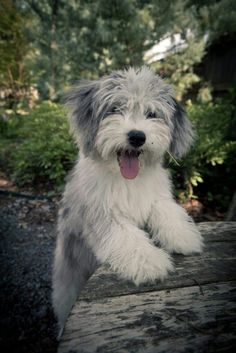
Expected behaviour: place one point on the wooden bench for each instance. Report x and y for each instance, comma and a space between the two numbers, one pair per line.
192, 311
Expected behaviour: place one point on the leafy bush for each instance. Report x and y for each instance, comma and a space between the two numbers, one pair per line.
40, 150
10, 122
46, 150
209, 169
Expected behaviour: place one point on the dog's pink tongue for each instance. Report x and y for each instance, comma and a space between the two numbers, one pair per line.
129, 165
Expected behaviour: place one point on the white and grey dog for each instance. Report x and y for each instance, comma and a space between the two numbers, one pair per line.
124, 123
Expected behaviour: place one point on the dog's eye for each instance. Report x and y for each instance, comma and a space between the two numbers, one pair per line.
113, 110
151, 115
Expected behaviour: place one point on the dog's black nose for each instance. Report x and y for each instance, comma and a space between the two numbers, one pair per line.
136, 138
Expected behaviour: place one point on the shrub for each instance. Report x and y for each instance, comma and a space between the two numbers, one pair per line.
40, 150
209, 169
10, 122
46, 151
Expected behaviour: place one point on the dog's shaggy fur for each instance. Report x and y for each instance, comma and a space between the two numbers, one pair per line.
124, 123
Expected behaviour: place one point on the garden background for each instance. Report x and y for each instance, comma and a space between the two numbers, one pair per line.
47, 45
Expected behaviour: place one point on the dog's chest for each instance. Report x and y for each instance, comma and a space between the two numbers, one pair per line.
131, 200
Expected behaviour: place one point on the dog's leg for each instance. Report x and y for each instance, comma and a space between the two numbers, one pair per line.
129, 251
173, 228
74, 263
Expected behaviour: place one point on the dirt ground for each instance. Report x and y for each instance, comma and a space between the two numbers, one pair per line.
27, 230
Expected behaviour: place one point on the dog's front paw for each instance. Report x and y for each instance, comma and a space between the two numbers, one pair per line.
150, 266
186, 242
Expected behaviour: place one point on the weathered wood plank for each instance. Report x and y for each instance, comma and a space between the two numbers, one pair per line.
218, 231
192, 311
176, 320
217, 263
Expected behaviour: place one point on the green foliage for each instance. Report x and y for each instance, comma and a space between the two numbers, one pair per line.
209, 168
87, 38
47, 45
217, 18
13, 47
68, 40
9, 124
178, 65
46, 151
199, 23
214, 122
179, 68
40, 150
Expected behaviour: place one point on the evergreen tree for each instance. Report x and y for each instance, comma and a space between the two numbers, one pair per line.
88, 38
200, 23
13, 50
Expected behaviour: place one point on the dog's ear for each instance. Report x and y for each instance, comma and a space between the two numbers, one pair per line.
182, 131
81, 104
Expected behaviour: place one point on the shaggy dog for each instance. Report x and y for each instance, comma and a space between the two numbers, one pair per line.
124, 123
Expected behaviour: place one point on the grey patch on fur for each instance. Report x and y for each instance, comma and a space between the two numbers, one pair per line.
73, 265
65, 212
78, 254
88, 106
182, 132
82, 105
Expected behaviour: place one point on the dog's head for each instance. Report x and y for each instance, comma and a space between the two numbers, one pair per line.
129, 116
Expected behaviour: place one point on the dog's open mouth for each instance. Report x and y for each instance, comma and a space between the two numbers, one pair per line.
129, 163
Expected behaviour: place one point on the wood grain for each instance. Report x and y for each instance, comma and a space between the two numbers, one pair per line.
192, 311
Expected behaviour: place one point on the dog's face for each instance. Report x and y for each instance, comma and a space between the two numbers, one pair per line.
129, 118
